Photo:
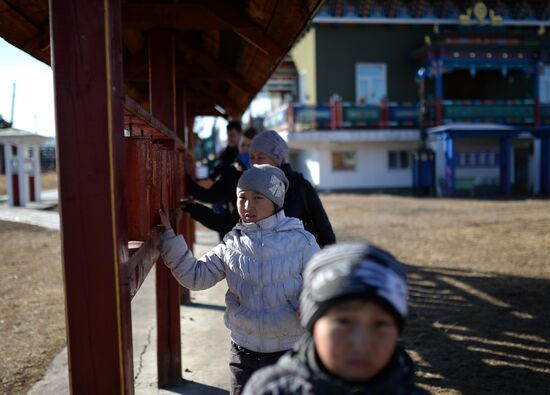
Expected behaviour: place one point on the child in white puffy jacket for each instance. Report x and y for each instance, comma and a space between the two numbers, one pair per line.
262, 259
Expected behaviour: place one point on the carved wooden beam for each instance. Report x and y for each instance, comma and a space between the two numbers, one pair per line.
209, 15
202, 96
213, 66
241, 24
185, 16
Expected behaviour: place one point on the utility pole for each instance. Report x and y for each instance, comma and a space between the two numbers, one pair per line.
12, 104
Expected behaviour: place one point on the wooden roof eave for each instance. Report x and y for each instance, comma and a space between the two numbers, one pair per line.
261, 26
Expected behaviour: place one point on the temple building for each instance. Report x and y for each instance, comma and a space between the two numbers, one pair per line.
372, 86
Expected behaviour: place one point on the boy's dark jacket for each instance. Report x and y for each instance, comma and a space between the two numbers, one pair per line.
299, 372
301, 201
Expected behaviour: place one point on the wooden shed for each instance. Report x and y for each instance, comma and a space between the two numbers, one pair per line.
129, 78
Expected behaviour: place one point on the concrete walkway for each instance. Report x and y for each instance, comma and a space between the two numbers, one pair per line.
205, 340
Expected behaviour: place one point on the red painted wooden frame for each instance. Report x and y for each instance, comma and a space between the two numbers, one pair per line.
101, 273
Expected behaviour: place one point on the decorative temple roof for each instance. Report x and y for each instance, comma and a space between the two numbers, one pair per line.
459, 12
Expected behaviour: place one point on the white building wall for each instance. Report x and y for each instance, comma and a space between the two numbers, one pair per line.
371, 171
307, 163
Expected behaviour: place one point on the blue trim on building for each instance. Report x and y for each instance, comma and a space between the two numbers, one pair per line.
505, 133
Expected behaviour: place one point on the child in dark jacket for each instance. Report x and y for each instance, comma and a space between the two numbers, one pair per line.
354, 305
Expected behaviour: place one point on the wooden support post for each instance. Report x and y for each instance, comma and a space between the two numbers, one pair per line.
89, 92
162, 90
185, 218
439, 91
538, 70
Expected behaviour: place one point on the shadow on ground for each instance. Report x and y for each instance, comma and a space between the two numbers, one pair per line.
479, 333
206, 306
194, 388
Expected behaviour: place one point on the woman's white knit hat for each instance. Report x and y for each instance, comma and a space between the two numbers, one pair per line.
271, 144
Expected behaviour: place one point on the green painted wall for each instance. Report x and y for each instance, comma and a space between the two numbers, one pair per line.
340, 48
303, 54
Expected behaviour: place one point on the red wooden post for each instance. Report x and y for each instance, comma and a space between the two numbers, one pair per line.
32, 190
15, 187
162, 91
89, 92
138, 165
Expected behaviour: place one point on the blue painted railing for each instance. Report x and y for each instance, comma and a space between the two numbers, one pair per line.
392, 115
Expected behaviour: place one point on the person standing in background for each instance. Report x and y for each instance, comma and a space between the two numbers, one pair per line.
222, 189
302, 200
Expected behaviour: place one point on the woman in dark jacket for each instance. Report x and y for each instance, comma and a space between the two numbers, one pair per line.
301, 199
223, 189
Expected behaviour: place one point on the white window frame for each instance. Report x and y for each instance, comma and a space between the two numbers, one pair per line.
370, 79
399, 165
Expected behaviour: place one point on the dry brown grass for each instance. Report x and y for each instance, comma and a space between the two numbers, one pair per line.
48, 180
32, 327
479, 276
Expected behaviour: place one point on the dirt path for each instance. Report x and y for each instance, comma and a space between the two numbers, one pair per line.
479, 275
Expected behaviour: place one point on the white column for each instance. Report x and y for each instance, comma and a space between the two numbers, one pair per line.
37, 172
9, 171
21, 153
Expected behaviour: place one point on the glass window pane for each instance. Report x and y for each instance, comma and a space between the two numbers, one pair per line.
344, 160
378, 90
370, 82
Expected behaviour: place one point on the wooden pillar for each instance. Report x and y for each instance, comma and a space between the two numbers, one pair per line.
181, 131
162, 90
181, 101
538, 70
438, 91
89, 92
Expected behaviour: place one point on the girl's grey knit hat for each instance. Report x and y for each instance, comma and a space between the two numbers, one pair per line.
268, 180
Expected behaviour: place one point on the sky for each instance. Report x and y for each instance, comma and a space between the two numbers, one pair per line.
34, 101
